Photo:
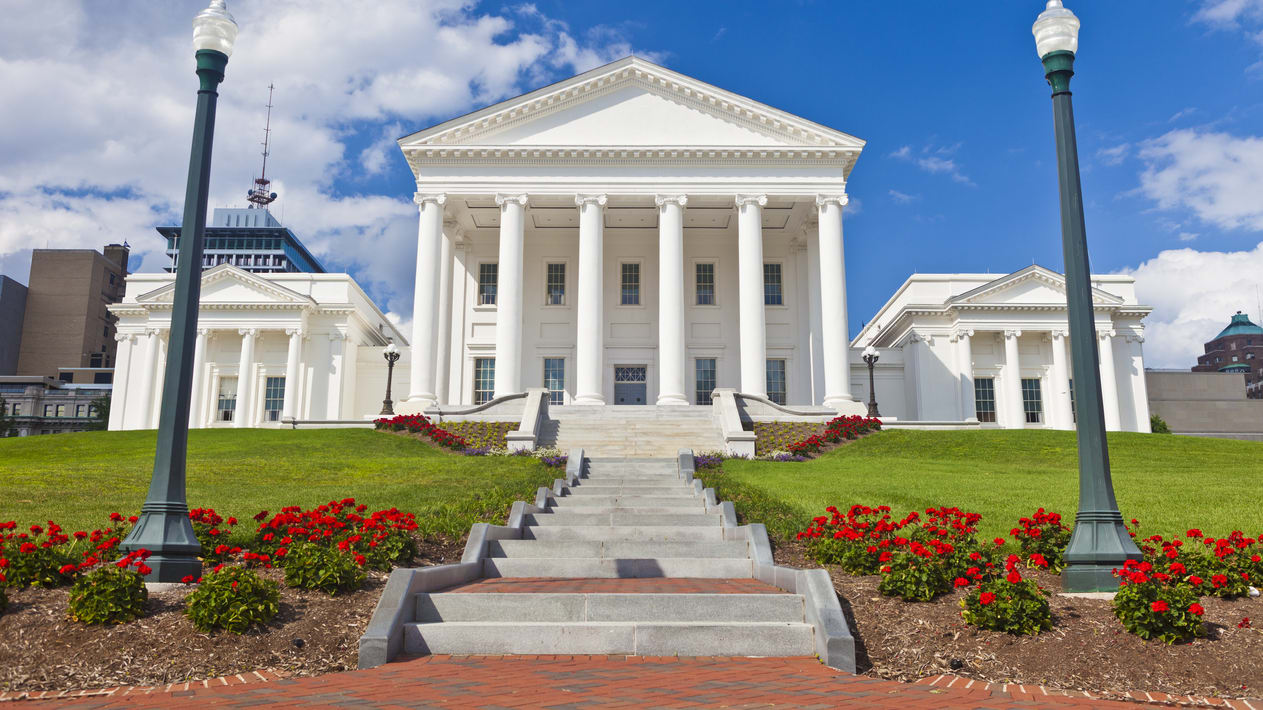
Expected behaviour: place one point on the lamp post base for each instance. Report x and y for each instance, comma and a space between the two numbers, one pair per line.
165, 531
1099, 545
872, 410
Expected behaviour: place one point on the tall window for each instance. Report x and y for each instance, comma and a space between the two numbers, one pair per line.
484, 379
1074, 410
487, 277
631, 284
776, 381
706, 284
15, 409
772, 294
1032, 403
61, 410
556, 284
273, 398
555, 379
705, 369
80, 409
984, 398
48, 410
227, 406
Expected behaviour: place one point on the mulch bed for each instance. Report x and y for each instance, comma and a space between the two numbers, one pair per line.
1087, 648
41, 648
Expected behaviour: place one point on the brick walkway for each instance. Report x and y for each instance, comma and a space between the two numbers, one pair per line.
583, 682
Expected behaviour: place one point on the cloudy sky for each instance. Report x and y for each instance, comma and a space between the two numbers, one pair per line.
958, 175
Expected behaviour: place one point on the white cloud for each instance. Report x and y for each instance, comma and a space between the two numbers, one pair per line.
903, 198
1193, 294
97, 153
1115, 155
1228, 12
935, 159
1214, 175
1188, 236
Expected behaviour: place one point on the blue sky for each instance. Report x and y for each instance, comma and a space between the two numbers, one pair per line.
958, 173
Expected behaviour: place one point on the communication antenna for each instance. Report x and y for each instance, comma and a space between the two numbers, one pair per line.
260, 196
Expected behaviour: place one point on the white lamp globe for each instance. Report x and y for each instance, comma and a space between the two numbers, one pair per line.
391, 349
214, 28
1056, 30
870, 351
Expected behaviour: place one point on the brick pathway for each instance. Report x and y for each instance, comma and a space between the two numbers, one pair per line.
583, 682
625, 585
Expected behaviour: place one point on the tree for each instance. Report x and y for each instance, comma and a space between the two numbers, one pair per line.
101, 421
8, 426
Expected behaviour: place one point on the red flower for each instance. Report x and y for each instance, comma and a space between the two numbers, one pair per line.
1159, 606
1013, 577
68, 569
188, 579
999, 542
1196, 608
1194, 580
234, 584
144, 569
1244, 623
986, 598
961, 582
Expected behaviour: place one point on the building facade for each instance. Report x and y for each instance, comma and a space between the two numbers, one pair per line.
270, 347
67, 323
45, 405
960, 347
630, 236
248, 238
1237, 349
12, 310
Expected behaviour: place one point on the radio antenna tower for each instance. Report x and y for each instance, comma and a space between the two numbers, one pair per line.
260, 196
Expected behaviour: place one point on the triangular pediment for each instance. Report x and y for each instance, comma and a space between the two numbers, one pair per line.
228, 285
1034, 285
632, 103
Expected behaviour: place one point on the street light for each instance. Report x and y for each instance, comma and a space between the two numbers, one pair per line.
391, 353
870, 358
164, 528
1100, 542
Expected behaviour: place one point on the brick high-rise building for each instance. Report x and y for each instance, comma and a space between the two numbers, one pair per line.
67, 326
1237, 348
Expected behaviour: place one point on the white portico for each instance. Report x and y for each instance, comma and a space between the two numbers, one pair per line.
630, 236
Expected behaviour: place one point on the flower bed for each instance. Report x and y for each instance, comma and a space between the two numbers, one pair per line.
796, 441
468, 438
483, 435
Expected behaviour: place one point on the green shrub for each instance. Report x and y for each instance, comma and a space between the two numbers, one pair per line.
1042, 534
914, 578
1015, 607
1158, 424
1153, 604
324, 568
110, 595
39, 566
233, 599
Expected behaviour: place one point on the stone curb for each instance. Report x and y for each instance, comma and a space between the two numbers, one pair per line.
1035, 692
248, 677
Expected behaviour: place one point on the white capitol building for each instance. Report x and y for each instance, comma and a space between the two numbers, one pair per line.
632, 236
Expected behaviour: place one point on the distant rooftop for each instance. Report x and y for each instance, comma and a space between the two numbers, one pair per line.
250, 238
1240, 325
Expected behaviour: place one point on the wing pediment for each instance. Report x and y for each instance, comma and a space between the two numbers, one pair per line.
229, 285
1032, 286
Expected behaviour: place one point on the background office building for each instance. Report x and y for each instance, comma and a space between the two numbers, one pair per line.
250, 239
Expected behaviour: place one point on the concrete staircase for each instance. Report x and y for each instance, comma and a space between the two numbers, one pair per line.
669, 578
631, 431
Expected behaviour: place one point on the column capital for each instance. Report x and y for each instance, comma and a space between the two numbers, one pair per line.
291, 332
661, 200
438, 198
120, 337
204, 332
250, 332
743, 200
337, 335
598, 200
839, 200
502, 200
152, 332
961, 334
1012, 334
1104, 334
1056, 333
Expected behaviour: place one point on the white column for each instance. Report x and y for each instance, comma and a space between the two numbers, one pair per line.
835, 340
671, 354
460, 285
243, 416
122, 381
337, 341
197, 419
1139, 388
814, 321
451, 232
509, 295
289, 407
1014, 415
590, 330
752, 319
965, 374
148, 372
1060, 409
425, 301
160, 381
1109, 382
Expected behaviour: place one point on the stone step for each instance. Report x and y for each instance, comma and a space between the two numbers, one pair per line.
699, 519
616, 549
629, 533
694, 508
611, 568
553, 607
628, 478
597, 489
765, 638
684, 500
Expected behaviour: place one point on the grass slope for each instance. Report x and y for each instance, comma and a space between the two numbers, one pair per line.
78, 479
1169, 483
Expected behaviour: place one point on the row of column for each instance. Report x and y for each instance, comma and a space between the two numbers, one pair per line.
1058, 408
431, 300
151, 373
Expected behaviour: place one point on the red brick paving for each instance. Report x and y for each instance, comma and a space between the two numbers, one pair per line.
644, 585
585, 682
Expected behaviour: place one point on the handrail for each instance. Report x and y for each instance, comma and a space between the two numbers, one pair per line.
459, 411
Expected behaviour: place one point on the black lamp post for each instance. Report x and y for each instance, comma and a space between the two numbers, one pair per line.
870, 358
391, 353
1100, 542
164, 528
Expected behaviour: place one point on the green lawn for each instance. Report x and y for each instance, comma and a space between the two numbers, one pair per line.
1170, 483
78, 479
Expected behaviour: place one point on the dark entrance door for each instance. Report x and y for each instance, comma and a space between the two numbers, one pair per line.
629, 384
